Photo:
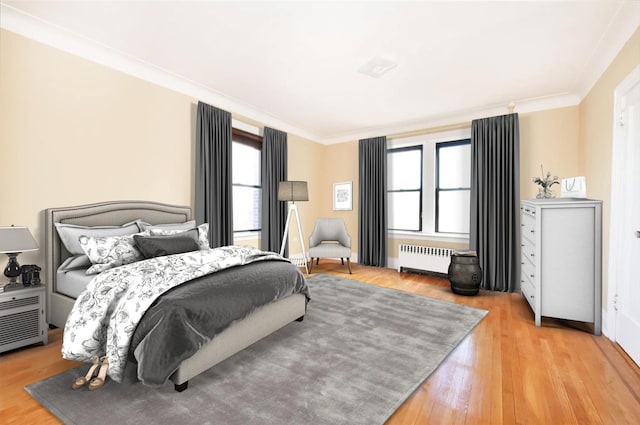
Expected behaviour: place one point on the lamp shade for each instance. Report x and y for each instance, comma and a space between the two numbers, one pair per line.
292, 191
16, 239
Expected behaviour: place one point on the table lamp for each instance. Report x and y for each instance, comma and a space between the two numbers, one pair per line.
13, 241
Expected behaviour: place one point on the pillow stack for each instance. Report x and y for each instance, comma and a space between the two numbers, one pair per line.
105, 247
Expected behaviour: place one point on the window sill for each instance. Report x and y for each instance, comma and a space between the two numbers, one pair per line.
244, 236
423, 236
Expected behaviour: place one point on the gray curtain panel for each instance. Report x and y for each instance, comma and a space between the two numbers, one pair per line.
214, 190
274, 170
372, 222
495, 198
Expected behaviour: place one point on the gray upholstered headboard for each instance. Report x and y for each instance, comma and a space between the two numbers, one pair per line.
101, 214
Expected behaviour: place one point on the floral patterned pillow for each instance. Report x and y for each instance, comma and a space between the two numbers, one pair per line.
203, 234
109, 252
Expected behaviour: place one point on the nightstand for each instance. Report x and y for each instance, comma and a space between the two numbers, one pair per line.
22, 317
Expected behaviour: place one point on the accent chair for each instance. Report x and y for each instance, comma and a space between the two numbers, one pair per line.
330, 239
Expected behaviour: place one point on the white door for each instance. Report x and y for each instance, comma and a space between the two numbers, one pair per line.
625, 218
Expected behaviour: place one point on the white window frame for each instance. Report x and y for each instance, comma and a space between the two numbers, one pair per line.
428, 142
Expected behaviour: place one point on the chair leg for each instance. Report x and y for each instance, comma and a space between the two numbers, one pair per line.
310, 265
317, 261
349, 265
342, 259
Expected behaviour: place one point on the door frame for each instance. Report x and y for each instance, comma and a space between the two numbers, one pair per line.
621, 147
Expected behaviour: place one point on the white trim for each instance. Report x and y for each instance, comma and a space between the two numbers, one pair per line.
44, 32
560, 100
241, 125
246, 236
620, 30
428, 143
616, 219
423, 236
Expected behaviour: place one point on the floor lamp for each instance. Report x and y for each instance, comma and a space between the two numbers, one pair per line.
293, 191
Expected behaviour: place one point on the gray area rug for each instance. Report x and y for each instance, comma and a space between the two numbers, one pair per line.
359, 353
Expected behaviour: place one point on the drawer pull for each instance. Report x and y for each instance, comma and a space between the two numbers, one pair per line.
531, 254
532, 231
531, 276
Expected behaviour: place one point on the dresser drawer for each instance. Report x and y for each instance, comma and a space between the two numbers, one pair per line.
528, 271
528, 226
528, 291
528, 251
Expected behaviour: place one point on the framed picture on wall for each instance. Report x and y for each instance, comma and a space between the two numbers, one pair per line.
342, 196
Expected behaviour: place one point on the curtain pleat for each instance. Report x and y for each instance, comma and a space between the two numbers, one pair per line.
372, 223
213, 185
274, 170
495, 197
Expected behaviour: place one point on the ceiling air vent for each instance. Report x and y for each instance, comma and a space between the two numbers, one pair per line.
377, 67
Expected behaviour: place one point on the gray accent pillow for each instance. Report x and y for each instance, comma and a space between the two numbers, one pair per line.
203, 234
156, 246
70, 234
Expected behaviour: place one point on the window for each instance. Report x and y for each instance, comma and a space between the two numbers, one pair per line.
453, 186
247, 181
428, 186
404, 188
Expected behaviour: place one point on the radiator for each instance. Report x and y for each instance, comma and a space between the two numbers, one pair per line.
425, 258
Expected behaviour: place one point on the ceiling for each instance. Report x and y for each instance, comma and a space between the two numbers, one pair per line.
294, 65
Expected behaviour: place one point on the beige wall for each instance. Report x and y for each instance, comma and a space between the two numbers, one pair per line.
548, 138
63, 117
74, 132
341, 165
596, 139
306, 163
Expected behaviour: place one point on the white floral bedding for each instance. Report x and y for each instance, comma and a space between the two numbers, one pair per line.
106, 314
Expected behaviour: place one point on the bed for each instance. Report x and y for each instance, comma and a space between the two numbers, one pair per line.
60, 298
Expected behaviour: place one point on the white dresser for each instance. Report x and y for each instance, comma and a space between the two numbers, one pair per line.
561, 259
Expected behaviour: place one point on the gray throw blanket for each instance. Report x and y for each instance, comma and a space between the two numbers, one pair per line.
190, 315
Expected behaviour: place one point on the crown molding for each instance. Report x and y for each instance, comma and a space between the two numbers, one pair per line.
461, 117
52, 35
620, 30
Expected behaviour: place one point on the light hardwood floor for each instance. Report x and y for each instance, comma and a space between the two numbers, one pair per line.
506, 371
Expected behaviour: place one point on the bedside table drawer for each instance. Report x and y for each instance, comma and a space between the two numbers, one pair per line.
22, 318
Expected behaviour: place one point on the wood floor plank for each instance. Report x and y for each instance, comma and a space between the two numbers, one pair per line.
506, 371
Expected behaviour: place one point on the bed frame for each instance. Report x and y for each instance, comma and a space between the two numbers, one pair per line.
240, 335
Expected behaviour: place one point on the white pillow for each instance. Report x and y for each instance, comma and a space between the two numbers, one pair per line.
70, 233
187, 225
203, 234
111, 251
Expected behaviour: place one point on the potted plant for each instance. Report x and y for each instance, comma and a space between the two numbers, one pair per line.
545, 183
